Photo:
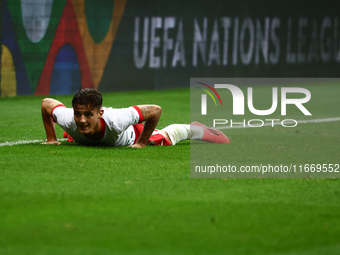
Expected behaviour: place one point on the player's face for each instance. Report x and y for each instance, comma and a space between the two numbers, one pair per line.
87, 119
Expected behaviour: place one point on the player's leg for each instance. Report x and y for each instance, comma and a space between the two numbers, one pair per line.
165, 134
158, 137
195, 131
210, 134
176, 132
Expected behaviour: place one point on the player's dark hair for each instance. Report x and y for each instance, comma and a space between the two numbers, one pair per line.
88, 97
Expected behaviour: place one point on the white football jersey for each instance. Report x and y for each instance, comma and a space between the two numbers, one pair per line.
117, 129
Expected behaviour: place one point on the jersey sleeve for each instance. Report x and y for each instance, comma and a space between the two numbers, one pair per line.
121, 119
55, 117
62, 115
140, 115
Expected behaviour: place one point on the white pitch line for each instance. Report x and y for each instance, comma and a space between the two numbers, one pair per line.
279, 123
21, 142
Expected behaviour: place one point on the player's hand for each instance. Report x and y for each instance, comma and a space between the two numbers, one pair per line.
52, 142
137, 145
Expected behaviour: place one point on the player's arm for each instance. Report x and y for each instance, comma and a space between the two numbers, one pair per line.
47, 106
151, 115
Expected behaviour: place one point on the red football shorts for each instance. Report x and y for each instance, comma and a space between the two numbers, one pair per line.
155, 138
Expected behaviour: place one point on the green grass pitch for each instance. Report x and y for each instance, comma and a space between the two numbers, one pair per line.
71, 199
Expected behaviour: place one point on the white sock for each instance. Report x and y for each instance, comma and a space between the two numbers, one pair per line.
196, 132
180, 132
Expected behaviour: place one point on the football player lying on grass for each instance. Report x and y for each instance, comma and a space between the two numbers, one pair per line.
88, 123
